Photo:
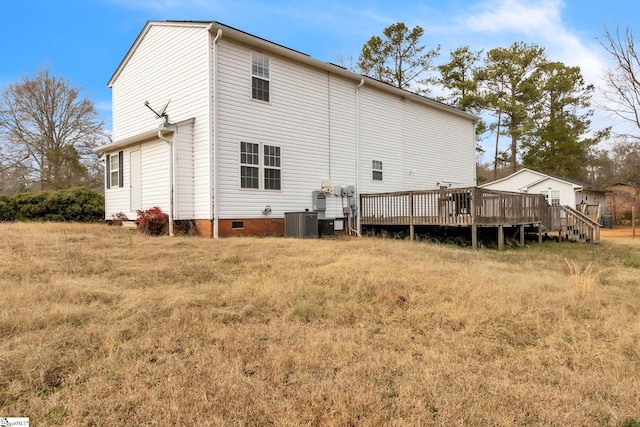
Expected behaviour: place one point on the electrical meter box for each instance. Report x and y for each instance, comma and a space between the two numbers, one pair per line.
351, 191
319, 201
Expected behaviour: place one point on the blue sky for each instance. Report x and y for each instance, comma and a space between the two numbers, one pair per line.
85, 40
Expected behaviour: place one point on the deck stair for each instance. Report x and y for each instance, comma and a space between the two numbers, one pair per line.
578, 227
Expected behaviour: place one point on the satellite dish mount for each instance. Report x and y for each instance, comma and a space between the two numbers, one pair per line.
162, 113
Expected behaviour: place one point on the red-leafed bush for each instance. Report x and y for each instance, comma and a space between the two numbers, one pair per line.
152, 221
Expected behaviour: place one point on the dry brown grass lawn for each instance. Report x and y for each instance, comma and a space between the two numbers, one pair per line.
103, 326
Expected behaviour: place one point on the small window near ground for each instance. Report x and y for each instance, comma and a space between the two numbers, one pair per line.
260, 77
237, 224
376, 166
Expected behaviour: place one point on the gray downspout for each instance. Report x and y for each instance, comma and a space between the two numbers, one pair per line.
169, 140
359, 212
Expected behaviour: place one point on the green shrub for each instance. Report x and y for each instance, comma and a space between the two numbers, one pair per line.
73, 204
7, 209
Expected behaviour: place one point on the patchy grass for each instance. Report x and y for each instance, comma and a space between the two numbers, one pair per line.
104, 326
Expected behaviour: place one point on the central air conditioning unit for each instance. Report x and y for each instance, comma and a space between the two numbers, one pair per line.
301, 224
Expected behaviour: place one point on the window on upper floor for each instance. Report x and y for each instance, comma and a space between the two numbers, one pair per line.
114, 175
260, 77
376, 170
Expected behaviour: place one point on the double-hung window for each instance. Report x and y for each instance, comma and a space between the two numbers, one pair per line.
376, 170
114, 166
552, 197
260, 79
271, 167
249, 165
260, 172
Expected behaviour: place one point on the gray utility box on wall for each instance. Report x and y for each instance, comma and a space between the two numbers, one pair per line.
301, 224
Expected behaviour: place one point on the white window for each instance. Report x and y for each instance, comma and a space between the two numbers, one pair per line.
552, 197
114, 176
376, 169
272, 167
250, 166
260, 77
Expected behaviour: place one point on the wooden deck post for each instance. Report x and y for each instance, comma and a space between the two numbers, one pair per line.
474, 236
501, 237
540, 232
411, 220
522, 235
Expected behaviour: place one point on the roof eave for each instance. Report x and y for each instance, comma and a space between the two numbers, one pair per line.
141, 137
306, 59
250, 39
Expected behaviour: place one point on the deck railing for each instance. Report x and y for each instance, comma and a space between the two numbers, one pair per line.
460, 206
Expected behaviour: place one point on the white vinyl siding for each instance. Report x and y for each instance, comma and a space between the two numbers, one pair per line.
309, 128
170, 63
313, 117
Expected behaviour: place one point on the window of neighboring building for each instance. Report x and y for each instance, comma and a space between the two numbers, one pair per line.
249, 165
376, 167
271, 167
260, 77
552, 197
252, 168
114, 168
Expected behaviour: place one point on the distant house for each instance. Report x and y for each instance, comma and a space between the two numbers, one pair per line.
255, 129
621, 198
557, 190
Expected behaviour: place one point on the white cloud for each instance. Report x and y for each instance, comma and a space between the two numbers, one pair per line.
514, 15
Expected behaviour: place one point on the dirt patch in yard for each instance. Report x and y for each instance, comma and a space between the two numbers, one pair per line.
620, 235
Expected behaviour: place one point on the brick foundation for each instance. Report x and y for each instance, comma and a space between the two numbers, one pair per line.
247, 227
204, 227
251, 227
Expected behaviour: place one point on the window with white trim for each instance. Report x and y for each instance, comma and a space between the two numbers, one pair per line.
260, 77
114, 169
552, 197
376, 170
272, 179
249, 165
260, 172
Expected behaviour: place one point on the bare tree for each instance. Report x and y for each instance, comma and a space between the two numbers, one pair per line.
623, 80
49, 128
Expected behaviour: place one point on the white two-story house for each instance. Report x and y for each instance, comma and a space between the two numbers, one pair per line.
254, 129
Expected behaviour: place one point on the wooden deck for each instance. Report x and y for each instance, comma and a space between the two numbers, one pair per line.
473, 207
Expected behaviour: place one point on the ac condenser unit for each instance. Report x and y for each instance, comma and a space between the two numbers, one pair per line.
301, 224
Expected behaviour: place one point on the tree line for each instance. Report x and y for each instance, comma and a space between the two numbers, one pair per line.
542, 108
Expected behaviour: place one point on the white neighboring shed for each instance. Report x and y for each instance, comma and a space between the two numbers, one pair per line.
259, 127
557, 190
